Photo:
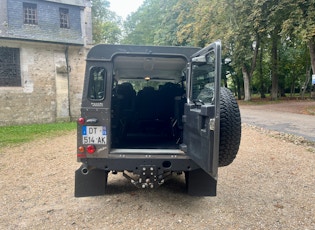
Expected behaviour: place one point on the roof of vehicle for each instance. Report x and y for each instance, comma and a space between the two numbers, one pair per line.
107, 52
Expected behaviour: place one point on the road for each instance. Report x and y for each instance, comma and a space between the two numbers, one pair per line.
286, 122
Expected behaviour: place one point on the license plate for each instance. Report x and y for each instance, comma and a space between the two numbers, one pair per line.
94, 135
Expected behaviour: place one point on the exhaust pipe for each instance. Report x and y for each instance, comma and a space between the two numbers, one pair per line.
86, 169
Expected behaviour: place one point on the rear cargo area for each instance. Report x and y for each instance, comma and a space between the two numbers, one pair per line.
148, 98
149, 118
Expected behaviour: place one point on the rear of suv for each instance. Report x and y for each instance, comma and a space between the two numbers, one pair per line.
150, 111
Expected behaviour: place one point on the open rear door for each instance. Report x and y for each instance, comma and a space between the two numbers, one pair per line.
202, 110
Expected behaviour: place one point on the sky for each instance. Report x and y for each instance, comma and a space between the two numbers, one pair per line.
124, 7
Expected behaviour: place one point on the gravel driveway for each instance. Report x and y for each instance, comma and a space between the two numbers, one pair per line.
270, 185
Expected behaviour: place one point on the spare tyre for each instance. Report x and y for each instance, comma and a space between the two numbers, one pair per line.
230, 128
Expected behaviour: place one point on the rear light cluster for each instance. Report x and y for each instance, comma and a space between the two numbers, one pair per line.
90, 149
81, 152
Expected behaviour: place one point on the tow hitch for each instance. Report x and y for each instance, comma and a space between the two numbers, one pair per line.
147, 178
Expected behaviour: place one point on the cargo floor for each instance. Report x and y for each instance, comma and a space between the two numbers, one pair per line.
148, 141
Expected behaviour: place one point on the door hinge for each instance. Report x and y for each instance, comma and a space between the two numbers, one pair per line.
212, 124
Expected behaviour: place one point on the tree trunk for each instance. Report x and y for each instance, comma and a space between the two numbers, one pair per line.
248, 73
307, 80
274, 68
246, 79
292, 90
311, 45
239, 88
261, 76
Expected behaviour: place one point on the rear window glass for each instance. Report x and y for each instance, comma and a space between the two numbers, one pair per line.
97, 83
203, 80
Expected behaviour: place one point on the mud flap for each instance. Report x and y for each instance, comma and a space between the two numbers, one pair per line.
91, 184
200, 183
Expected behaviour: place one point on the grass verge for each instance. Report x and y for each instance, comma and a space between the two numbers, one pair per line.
14, 135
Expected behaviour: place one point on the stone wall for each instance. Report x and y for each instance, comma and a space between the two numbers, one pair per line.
77, 71
52, 79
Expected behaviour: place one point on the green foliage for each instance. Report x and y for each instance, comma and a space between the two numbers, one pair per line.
153, 24
280, 30
300, 22
186, 21
12, 135
106, 24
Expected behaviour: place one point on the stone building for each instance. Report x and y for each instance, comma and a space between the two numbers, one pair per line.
43, 44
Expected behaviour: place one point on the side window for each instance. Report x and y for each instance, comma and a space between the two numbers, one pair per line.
203, 79
96, 90
10, 73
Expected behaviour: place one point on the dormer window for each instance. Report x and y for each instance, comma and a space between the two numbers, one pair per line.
30, 13
64, 18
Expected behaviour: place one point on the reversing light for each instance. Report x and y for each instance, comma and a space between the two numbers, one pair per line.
81, 120
90, 149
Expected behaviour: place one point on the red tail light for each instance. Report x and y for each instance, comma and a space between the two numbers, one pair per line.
81, 120
90, 149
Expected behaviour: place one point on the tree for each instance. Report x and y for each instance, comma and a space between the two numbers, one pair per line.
253, 33
301, 24
154, 23
166, 33
278, 12
261, 77
187, 21
106, 24
204, 21
246, 22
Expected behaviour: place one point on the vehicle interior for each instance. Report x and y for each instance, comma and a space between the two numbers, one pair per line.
148, 97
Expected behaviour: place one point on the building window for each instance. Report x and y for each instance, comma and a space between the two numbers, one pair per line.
30, 13
10, 74
64, 18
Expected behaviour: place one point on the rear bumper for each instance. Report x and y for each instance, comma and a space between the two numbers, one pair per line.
132, 163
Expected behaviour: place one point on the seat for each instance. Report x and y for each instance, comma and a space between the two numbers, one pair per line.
146, 104
125, 97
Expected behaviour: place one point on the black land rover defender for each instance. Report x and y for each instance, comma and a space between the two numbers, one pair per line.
150, 111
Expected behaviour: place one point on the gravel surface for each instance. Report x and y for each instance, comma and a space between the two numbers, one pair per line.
270, 185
